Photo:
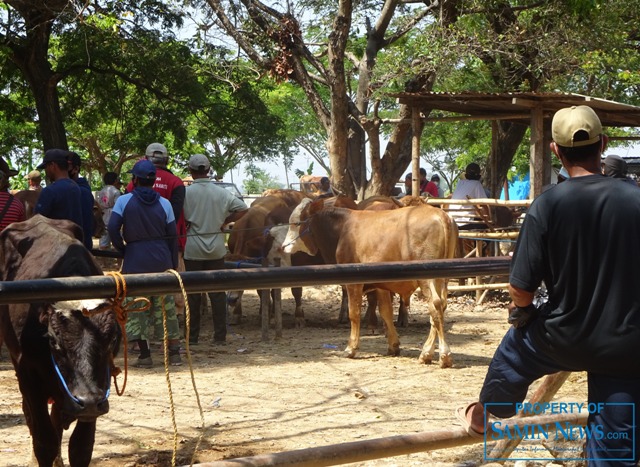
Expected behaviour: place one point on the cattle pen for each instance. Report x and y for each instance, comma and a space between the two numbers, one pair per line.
66, 288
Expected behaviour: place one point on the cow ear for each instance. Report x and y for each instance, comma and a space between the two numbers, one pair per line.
14, 245
316, 206
45, 314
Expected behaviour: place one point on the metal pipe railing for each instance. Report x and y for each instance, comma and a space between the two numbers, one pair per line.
74, 288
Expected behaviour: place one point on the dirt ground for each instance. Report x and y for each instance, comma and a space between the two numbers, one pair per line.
262, 397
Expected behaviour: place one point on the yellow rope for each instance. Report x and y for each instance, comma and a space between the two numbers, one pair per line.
166, 365
121, 311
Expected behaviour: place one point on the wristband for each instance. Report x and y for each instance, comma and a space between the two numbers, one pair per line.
521, 316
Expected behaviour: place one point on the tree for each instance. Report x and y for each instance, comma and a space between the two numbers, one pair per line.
259, 180
349, 54
111, 77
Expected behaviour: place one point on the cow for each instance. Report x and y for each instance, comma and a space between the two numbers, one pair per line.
408, 234
62, 352
249, 235
383, 203
29, 199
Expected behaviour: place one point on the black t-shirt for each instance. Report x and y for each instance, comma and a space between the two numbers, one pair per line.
582, 237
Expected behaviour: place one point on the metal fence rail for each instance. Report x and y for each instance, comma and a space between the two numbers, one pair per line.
74, 288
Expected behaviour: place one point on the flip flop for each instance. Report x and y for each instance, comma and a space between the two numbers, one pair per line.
461, 415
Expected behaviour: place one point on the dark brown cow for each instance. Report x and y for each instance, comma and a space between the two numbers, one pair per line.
408, 234
61, 352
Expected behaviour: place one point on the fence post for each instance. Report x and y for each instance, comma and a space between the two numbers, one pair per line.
264, 307
277, 305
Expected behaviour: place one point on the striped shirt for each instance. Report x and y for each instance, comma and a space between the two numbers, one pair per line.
15, 212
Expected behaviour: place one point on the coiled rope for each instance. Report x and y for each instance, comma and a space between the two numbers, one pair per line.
166, 369
121, 310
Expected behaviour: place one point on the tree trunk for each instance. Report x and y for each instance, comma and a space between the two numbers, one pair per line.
31, 57
509, 138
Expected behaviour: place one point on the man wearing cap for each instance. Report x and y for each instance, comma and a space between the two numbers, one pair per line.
86, 200
143, 227
171, 188
61, 198
206, 208
34, 178
581, 238
11, 208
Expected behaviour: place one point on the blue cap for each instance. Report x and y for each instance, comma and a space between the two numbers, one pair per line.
144, 169
54, 155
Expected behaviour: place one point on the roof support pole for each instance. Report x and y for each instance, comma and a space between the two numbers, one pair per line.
494, 186
416, 131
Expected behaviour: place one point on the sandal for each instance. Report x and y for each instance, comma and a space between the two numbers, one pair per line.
461, 415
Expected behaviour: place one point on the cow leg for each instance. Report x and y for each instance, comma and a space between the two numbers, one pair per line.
299, 313
370, 316
403, 312
344, 307
436, 305
234, 300
56, 421
46, 443
386, 313
354, 295
81, 443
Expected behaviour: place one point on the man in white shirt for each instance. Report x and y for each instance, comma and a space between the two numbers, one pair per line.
468, 188
206, 207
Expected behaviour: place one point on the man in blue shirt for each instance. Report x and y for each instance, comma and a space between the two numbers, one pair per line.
143, 227
60, 199
86, 200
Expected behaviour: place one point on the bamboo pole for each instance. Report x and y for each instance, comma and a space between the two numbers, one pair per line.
549, 387
359, 451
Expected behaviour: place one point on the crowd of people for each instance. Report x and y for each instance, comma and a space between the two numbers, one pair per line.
579, 238
157, 224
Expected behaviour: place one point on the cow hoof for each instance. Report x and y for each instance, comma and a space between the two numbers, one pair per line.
425, 358
446, 361
349, 352
300, 322
393, 351
404, 323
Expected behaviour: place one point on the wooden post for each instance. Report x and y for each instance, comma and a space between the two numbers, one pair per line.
264, 307
546, 391
415, 151
277, 305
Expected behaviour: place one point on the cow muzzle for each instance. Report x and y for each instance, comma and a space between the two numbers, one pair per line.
84, 407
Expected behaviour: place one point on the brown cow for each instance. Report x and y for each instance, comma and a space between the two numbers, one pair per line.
383, 203
61, 352
249, 236
29, 199
408, 234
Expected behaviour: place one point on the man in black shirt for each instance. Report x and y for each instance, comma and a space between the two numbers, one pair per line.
581, 238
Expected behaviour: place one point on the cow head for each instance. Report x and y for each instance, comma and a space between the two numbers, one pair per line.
84, 337
298, 236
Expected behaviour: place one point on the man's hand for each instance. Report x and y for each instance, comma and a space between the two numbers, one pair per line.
521, 316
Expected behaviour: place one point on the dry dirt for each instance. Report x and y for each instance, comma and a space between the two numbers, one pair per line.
262, 397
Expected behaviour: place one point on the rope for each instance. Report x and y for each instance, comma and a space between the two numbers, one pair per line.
121, 310
166, 367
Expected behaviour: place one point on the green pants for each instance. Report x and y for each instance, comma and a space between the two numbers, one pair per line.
137, 326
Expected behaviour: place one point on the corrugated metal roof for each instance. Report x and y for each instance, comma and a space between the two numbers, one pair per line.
517, 106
